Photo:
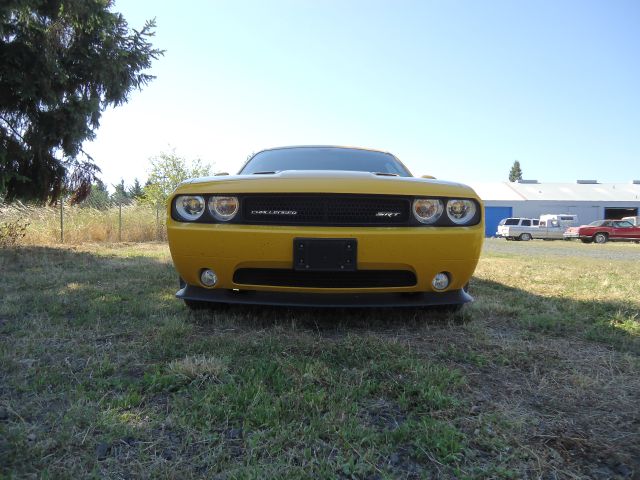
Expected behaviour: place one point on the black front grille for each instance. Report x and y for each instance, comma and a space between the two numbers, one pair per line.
325, 210
278, 277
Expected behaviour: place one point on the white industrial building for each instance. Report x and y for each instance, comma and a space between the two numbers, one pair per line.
588, 199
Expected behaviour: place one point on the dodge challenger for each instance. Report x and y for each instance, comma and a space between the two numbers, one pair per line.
324, 226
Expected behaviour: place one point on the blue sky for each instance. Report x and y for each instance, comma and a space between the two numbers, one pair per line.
455, 89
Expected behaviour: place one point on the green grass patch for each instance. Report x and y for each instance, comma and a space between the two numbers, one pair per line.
105, 374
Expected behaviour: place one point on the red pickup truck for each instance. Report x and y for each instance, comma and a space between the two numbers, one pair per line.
602, 231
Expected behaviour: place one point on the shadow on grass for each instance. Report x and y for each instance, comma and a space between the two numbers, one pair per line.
123, 287
97, 348
614, 323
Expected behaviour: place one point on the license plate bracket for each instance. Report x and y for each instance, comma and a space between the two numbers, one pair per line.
325, 254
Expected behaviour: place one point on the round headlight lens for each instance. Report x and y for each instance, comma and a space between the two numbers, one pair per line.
223, 208
460, 211
190, 207
427, 210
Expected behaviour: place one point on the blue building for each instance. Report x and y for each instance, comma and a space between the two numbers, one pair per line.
588, 199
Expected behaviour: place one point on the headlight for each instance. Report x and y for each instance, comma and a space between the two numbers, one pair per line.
427, 210
460, 211
223, 208
190, 207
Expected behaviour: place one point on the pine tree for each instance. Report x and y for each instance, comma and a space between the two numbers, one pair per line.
516, 172
120, 195
135, 191
62, 63
99, 196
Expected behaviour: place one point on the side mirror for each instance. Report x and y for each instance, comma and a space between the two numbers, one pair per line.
220, 174
429, 176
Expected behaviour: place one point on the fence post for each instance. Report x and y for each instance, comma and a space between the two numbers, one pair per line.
61, 220
120, 221
157, 221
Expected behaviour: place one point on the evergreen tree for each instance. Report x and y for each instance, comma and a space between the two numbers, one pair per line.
99, 196
515, 173
62, 63
135, 191
120, 195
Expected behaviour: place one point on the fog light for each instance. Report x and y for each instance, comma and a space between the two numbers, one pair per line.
440, 281
208, 278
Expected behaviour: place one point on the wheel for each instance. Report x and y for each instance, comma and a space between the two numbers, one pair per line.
600, 237
586, 240
525, 237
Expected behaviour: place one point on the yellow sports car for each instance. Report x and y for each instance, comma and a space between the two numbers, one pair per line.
324, 226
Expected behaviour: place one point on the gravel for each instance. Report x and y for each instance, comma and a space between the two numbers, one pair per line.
609, 251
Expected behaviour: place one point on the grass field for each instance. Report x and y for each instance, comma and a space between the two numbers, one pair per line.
139, 222
104, 374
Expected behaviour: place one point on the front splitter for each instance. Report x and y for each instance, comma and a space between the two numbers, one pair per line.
339, 300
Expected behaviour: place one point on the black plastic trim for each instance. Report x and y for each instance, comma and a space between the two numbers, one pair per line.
277, 277
320, 300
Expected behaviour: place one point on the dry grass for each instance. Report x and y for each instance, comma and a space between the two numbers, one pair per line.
200, 367
140, 223
105, 374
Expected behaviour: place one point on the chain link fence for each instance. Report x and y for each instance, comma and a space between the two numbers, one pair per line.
114, 221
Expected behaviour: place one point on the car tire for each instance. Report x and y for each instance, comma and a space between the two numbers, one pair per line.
525, 237
600, 237
586, 240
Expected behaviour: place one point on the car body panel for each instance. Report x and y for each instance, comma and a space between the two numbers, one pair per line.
547, 227
319, 181
515, 227
615, 230
424, 250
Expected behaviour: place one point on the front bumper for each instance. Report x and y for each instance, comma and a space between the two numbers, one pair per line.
571, 236
363, 300
425, 251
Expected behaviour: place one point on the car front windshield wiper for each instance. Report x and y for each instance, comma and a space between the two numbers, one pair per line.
386, 174
266, 172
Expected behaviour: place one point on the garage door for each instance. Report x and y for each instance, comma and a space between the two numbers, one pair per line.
492, 216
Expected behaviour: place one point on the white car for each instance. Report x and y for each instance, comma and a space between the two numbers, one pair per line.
517, 228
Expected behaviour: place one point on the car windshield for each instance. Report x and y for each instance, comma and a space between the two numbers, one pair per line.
324, 158
600, 223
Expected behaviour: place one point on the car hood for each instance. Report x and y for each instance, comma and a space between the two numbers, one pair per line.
325, 181
575, 229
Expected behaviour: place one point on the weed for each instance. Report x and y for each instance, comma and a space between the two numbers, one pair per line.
105, 374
